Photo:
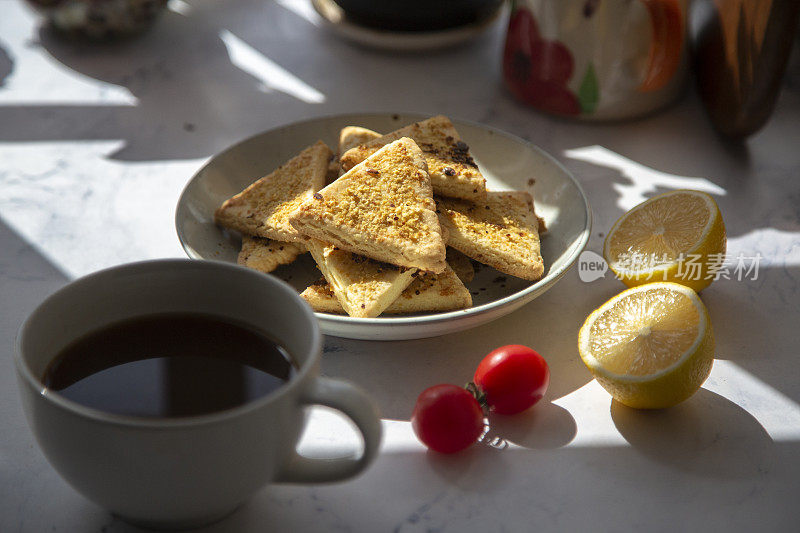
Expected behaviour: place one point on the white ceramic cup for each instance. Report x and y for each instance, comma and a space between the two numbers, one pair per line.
597, 60
184, 472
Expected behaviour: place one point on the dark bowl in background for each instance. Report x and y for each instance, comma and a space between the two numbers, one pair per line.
417, 15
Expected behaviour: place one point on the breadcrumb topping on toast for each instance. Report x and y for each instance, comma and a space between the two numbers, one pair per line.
453, 171
263, 208
363, 287
382, 208
502, 232
266, 254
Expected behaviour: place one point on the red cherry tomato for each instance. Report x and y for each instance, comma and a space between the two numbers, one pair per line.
512, 378
447, 418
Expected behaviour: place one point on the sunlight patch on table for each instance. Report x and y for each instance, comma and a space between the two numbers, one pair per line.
329, 433
776, 248
644, 180
39, 78
590, 407
83, 211
272, 76
301, 8
778, 414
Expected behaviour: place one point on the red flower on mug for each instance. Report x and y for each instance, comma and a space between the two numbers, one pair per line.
537, 70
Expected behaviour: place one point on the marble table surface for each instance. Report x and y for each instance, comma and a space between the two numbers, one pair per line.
96, 144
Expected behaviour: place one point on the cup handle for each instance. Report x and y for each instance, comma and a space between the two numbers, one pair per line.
354, 403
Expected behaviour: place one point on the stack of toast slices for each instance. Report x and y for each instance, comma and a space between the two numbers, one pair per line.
392, 221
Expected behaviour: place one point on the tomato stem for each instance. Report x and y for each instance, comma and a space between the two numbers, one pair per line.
478, 394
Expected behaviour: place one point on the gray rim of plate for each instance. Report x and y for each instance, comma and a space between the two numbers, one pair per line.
538, 287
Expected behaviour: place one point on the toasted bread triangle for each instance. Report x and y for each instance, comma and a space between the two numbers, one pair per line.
382, 208
321, 298
451, 167
349, 137
460, 264
263, 208
502, 232
266, 255
352, 136
364, 288
431, 292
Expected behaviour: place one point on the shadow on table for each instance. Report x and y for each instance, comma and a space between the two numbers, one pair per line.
6, 66
186, 87
545, 426
707, 435
219, 72
755, 325
705, 460
700, 456
394, 373
675, 460
26, 278
749, 319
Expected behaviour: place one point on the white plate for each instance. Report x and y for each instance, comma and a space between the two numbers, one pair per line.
507, 162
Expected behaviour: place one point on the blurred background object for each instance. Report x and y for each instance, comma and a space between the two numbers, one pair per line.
408, 25
741, 51
417, 15
99, 19
597, 59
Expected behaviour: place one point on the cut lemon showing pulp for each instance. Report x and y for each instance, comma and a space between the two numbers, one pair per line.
651, 346
676, 236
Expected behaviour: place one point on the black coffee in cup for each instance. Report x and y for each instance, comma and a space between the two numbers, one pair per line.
169, 365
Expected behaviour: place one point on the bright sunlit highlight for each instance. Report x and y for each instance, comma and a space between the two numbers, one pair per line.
777, 248
73, 201
644, 180
301, 8
272, 76
29, 59
179, 6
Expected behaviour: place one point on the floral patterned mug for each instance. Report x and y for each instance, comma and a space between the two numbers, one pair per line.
596, 59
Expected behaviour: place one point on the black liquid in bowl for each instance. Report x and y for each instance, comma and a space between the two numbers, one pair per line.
417, 15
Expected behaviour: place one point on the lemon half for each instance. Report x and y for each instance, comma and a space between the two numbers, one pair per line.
676, 236
651, 346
